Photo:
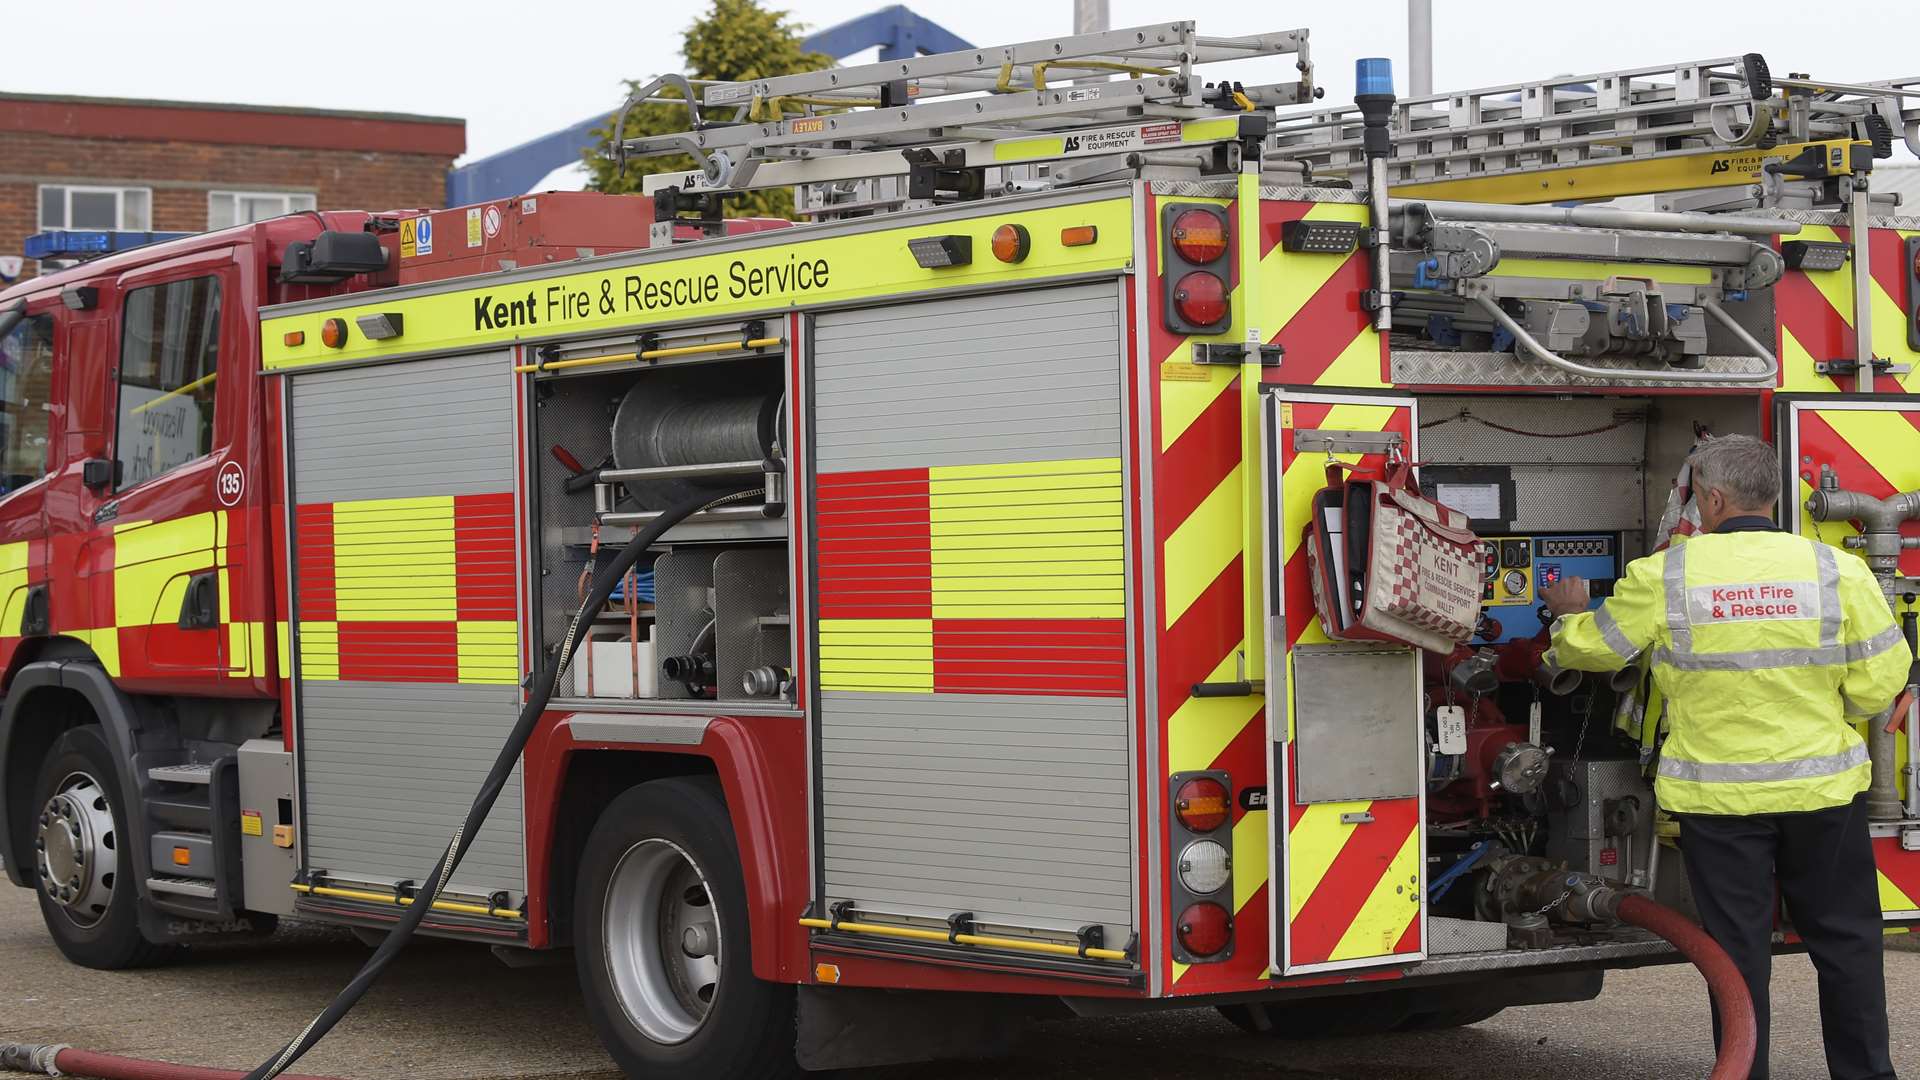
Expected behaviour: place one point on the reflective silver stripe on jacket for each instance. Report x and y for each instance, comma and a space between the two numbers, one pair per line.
1830, 610
1763, 659
1675, 579
1611, 633
1759, 772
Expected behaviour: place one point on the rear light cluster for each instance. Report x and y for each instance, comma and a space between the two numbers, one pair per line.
1197, 268
1913, 292
1202, 878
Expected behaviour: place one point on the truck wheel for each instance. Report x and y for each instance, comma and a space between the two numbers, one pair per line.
83, 870
662, 944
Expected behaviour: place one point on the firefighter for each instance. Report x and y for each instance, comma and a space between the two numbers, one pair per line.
1768, 648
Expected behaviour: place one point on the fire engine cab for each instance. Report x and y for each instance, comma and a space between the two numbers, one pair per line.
974, 650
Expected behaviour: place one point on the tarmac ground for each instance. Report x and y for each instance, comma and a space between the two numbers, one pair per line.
450, 1010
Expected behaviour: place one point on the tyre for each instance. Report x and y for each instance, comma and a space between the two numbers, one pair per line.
83, 870
662, 944
1330, 1018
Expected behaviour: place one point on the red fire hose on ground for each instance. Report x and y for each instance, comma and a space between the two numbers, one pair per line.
1738, 1034
66, 1061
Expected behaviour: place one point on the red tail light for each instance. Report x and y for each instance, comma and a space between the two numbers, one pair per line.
1201, 804
1201, 298
1204, 929
1199, 236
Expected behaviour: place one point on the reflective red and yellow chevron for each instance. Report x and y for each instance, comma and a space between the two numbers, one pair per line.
1815, 313
1309, 304
1899, 876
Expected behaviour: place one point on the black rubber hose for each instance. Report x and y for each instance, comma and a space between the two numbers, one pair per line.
413, 914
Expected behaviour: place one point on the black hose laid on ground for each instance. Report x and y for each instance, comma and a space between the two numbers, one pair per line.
542, 692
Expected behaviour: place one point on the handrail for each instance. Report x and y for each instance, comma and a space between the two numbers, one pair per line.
1527, 341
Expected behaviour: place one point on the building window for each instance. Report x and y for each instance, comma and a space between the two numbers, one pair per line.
64, 206
26, 379
169, 355
226, 208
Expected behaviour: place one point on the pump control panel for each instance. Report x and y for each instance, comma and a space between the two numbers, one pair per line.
1516, 568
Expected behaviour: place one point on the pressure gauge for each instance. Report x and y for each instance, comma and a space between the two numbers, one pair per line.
1515, 582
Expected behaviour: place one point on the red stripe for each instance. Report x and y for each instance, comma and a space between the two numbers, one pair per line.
1245, 758
1901, 867
484, 557
313, 561
1321, 330
1410, 939
1886, 255
1203, 636
1362, 862
1815, 324
873, 533
1045, 656
1275, 214
400, 651
1204, 455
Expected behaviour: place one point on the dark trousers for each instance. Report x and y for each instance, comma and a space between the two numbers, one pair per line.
1823, 862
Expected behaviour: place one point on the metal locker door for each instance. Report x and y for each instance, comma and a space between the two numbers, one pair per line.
1344, 719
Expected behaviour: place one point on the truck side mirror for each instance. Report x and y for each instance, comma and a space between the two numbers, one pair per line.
98, 473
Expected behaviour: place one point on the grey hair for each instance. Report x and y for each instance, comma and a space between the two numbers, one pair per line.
1741, 467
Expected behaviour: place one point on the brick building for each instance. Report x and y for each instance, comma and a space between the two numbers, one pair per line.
108, 163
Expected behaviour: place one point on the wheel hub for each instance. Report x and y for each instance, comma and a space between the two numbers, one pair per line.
663, 941
76, 850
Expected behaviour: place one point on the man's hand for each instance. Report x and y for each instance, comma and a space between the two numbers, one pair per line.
1567, 596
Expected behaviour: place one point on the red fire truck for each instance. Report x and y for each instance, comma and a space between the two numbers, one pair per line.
974, 652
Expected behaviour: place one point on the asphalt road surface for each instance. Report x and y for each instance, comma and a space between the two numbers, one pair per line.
453, 1011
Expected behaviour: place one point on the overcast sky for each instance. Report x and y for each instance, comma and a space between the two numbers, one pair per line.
517, 70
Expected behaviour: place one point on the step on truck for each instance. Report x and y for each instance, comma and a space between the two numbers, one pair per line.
991, 680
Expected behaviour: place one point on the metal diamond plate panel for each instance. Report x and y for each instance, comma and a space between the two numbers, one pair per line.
1426, 367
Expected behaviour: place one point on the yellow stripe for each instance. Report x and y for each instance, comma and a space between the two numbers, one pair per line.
1202, 546
1835, 285
1312, 846
105, 643
1393, 904
837, 269
1883, 437
942, 478
915, 630
1201, 728
319, 650
1029, 609
1358, 365
1892, 899
1249, 858
394, 560
285, 647
893, 655
1796, 367
488, 652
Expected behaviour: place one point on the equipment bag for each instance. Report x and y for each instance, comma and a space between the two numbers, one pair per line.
1390, 564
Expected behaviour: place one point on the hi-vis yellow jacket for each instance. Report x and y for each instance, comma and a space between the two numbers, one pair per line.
1768, 648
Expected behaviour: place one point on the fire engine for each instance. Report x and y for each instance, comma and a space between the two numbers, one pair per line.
949, 649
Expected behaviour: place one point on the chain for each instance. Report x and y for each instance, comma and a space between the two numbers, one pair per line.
1586, 720
1554, 903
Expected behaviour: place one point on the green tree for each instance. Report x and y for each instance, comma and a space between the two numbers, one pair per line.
738, 40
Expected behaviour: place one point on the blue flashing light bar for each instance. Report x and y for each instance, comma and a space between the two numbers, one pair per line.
90, 243
1373, 75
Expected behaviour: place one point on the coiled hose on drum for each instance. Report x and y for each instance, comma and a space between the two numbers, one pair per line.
66, 1061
